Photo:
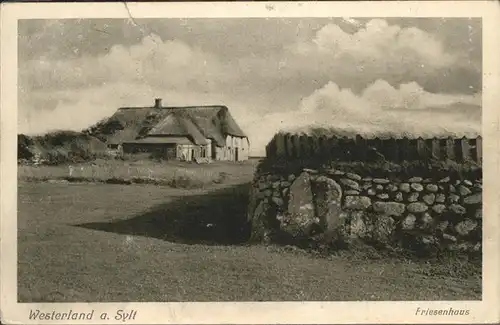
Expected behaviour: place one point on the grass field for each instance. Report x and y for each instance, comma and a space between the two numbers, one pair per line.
101, 242
171, 173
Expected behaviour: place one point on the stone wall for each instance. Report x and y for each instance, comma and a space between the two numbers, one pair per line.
336, 208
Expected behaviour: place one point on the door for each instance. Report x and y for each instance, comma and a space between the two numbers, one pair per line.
236, 154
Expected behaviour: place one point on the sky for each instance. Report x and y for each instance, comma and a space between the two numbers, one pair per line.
411, 76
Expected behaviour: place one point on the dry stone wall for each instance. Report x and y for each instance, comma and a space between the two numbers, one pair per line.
336, 208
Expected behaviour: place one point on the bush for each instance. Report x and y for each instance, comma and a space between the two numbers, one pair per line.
60, 147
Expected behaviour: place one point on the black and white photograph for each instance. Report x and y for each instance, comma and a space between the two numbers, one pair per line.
280, 158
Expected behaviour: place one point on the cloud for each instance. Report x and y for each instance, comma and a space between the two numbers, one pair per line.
380, 50
169, 63
352, 21
380, 42
325, 77
378, 109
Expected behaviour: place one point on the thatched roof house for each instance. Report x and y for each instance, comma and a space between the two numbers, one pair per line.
183, 133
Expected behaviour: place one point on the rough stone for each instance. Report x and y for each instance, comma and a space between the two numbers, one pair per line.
366, 186
443, 225
461, 247
391, 188
478, 187
452, 189
380, 180
389, 208
404, 187
383, 196
453, 198
449, 237
259, 221
278, 201
276, 193
467, 182
367, 179
328, 197
264, 185
357, 202
351, 192
413, 197
431, 188
358, 226
417, 207
379, 187
260, 195
444, 180
457, 209
268, 193
285, 184
464, 190
276, 184
474, 199
350, 183
439, 208
440, 198
353, 176
398, 197
415, 180
409, 222
252, 204
371, 191
427, 220
383, 229
291, 178
428, 239
285, 191
300, 207
417, 187
465, 227
427, 181
479, 214
310, 171
429, 198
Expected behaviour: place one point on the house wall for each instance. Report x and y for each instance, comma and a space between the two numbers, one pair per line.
189, 152
233, 144
164, 150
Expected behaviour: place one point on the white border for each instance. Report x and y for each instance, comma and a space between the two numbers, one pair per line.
485, 311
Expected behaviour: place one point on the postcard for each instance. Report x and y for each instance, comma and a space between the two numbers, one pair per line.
250, 162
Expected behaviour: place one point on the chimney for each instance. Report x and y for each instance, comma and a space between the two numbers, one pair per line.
157, 102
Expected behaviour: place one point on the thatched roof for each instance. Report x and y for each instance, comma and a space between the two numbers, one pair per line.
177, 125
162, 140
194, 122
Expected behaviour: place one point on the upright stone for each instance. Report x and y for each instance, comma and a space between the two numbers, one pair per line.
259, 222
328, 199
300, 207
383, 229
